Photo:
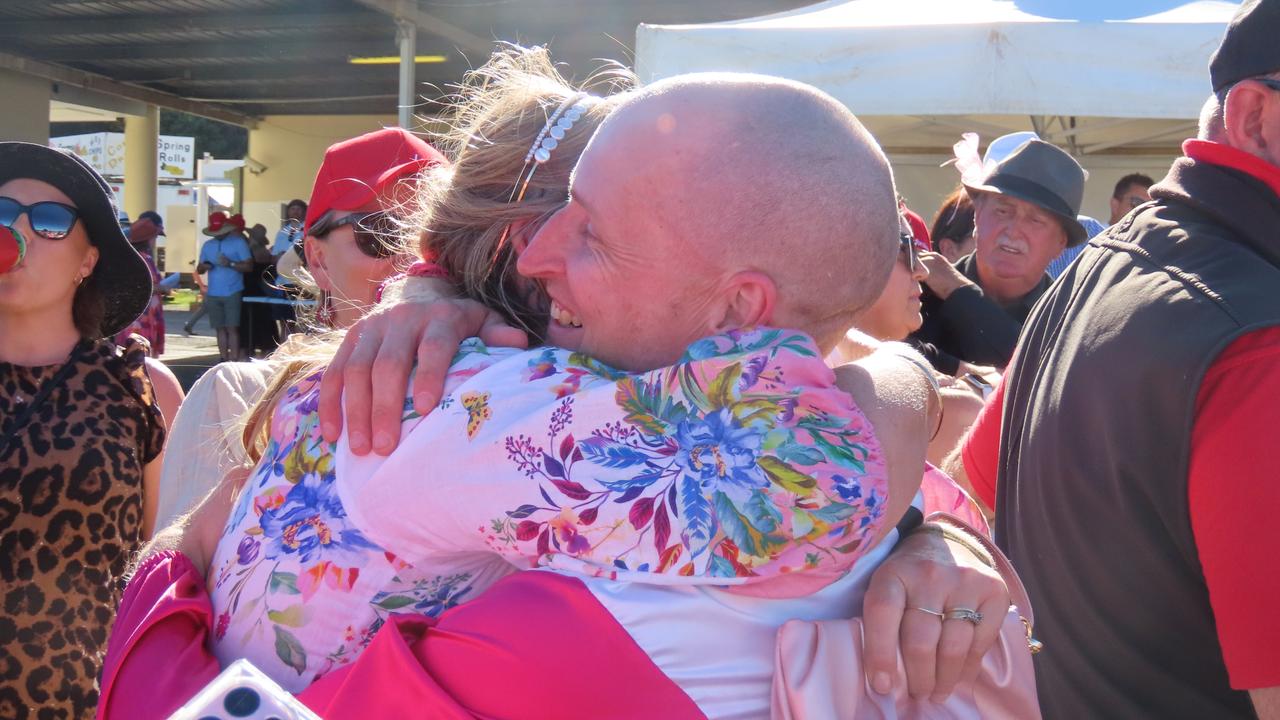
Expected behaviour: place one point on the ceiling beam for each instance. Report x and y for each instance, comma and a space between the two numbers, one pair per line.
170, 24
99, 83
280, 71
192, 52
409, 10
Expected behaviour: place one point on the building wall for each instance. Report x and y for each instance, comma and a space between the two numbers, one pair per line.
291, 148
26, 107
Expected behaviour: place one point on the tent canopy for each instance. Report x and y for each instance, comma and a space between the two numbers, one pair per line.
1118, 83
1133, 59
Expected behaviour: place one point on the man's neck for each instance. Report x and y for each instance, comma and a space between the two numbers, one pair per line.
37, 338
1002, 291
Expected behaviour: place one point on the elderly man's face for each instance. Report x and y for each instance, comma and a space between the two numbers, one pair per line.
1016, 240
623, 288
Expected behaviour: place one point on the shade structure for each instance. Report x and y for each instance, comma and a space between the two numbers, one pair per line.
1107, 58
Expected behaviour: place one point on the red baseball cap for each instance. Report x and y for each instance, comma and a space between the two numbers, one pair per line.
218, 225
237, 220
354, 171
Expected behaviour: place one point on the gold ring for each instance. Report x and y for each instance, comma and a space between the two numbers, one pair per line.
927, 610
972, 616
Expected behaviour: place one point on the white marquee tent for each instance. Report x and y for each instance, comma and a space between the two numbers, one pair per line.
1118, 83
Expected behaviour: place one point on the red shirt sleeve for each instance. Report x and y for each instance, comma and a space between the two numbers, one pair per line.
1234, 498
981, 449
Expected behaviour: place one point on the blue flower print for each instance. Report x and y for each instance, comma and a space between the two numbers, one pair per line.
720, 454
312, 523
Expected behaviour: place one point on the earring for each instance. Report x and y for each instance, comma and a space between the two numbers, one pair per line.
325, 312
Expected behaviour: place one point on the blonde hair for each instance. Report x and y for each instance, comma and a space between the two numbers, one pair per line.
462, 210
469, 209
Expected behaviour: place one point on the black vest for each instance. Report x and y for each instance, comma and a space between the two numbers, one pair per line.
1095, 442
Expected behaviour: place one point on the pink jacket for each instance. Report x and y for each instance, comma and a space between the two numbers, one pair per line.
536, 644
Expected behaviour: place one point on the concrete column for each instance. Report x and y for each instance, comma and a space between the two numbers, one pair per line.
141, 138
26, 107
407, 35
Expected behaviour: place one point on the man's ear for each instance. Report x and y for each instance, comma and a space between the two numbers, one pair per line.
1243, 116
750, 301
314, 249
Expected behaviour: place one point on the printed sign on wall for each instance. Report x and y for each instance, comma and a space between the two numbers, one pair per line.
175, 156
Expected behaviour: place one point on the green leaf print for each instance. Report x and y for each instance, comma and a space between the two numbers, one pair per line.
394, 602
290, 651
284, 582
787, 477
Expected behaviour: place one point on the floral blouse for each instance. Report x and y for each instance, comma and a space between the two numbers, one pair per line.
741, 463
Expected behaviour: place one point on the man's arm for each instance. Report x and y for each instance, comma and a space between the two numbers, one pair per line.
413, 333
1266, 702
1233, 496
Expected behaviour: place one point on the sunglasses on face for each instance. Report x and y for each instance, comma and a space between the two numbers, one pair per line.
50, 220
377, 234
907, 251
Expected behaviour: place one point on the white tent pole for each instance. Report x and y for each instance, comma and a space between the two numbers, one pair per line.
407, 35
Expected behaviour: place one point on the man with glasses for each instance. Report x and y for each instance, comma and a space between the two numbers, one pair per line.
1131, 191
1131, 443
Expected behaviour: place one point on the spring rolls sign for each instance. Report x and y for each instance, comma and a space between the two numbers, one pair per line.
12, 248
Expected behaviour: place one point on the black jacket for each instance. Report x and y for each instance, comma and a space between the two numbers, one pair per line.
1096, 442
970, 326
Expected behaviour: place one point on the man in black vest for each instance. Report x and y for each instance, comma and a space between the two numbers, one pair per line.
1136, 477
1024, 216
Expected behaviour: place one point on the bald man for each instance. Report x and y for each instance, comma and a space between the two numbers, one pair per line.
756, 202
651, 262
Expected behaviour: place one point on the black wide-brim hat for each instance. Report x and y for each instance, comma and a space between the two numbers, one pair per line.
121, 273
1046, 176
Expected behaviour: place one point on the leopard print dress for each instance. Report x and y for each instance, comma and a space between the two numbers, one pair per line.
70, 520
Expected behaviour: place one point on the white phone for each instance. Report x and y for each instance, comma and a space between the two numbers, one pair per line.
243, 692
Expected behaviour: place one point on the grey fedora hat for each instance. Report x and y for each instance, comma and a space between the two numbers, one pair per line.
1043, 175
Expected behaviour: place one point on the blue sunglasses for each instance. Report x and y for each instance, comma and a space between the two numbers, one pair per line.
50, 220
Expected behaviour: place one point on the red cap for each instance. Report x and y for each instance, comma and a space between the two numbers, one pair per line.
237, 220
354, 171
218, 225
919, 231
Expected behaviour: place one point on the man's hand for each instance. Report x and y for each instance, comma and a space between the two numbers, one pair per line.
385, 344
925, 571
944, 278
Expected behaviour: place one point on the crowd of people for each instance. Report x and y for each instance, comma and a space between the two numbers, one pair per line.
715, 430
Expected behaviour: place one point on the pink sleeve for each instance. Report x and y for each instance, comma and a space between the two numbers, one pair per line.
542, 637
1233, 496
158, 657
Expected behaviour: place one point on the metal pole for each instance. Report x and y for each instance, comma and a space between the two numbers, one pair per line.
407, 36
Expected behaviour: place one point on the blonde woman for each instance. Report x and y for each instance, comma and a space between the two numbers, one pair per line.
315, 568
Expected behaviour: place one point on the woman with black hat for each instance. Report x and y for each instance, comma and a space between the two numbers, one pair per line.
81, 428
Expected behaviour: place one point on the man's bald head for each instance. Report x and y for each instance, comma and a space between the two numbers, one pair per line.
760, 173
712, 202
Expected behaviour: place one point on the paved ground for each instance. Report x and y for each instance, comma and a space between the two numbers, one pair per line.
188, 357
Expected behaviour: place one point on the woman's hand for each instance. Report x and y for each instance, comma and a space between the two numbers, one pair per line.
385, 345
926, 571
